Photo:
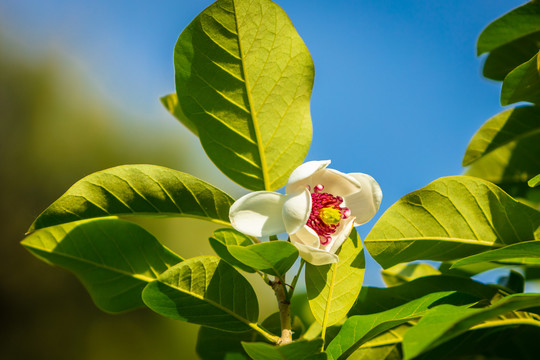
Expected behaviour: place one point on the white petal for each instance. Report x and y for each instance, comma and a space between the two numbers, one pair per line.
296, 211
300, 177
306, 236
315, 256
342, 233
365, 203
335, 182
258, 213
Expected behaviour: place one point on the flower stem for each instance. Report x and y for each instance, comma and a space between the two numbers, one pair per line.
284, 311
295, 280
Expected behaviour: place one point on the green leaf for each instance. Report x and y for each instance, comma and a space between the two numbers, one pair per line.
450, 218
386, 346
222, 238
535, 181
506, 58
359, 329
445, 322
214, 344
244, 78
273, 324
514, 25
522, 83
114, 259
274, 257
171, 104
333, 289
142, 190
402, 273
528, 249
299, 350
207, 291
505, 129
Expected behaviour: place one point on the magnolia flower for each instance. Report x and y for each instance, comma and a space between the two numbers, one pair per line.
319, 210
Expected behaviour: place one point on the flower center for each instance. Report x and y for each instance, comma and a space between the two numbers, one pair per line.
326, 213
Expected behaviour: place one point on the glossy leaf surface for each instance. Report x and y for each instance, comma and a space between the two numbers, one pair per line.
244, 78
274, 257
222, 238
528, 249
114, 259
522, 83
402, 273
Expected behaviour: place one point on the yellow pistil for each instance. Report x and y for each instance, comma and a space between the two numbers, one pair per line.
330, 216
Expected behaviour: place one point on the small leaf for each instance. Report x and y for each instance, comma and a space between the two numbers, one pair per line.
171, 104
142, 190
244, 79
445, 322
522, 83
359, 329
528, 249
298, 350
333, 289
535, 181
450, 218
207, 291
224, 237
274, 257
114, 259
214, 344
402, 273
514, 25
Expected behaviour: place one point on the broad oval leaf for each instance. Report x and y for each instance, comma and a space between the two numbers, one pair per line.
222, 238
333, 289
299, 350
274, 257
142, 190
450, 218
506, 128
207, 291
170, 102
526, 250
244, 78
445, 322
113, 258
522, 83
514, 25
403, 273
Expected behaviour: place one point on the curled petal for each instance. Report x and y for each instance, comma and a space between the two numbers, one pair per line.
306, 236
336, 182
315, 256
301, 176
342, 233
296, 210
365, 203
258, 213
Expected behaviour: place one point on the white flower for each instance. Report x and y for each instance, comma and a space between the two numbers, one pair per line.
319, 210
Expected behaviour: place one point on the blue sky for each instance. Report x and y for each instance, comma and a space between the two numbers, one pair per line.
398, 89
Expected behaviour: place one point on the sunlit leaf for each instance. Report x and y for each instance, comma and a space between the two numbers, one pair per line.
514, 25
359, 329
386, 346
333, 289
450, 218
402, 273
522, 83
528, 249
274, 257
142, 190
244, 78
171, 104
535, 181
114, 259
224, 237
207, 291
300, 350
445, 322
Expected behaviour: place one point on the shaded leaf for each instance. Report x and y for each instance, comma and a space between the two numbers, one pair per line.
535, 181
514, 25
527, 249
215, 344
207, 291
244, 78
224, 237
522, 83
142, 190
171, 104
402, 273
299, 350
274, 257
450, 218
332, 289
447, 321
386, 346
273, 324
114, 259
